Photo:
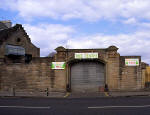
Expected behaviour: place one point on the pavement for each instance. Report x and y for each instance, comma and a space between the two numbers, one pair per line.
75, 95
129, 93
33, 94
109, 94
75, 106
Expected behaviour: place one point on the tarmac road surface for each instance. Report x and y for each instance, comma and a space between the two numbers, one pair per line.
75, 106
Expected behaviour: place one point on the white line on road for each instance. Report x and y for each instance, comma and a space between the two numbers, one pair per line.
25, 107
107, 107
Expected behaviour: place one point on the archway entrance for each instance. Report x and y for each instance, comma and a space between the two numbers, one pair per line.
87, 76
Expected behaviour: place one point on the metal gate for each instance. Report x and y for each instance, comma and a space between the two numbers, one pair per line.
87, 76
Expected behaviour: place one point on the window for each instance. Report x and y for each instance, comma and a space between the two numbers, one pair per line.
28, 58
18, 40
14, 58
14, 50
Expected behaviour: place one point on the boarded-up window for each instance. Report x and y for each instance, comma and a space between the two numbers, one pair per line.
14, 50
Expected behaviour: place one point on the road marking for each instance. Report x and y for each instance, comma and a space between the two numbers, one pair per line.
25, 107
107, 107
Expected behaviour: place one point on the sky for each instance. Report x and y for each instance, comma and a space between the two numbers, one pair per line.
83, 24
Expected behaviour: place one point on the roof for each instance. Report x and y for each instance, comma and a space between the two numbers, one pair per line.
4, 34
2, 26
110, 48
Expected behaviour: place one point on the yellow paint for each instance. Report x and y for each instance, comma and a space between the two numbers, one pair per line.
67, 94
106, 94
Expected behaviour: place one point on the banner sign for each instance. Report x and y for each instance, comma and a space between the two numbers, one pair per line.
132, 62
86, 55
58, 65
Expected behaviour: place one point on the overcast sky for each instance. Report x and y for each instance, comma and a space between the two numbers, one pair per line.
83, 23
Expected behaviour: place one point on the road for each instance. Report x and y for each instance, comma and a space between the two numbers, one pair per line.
75, 106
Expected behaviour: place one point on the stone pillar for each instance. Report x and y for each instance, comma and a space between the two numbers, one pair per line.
113, 68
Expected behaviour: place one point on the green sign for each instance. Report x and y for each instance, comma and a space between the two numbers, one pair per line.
132, 62
86, 55
58, 65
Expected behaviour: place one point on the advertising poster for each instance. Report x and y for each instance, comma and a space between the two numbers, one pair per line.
132, 62
58, 65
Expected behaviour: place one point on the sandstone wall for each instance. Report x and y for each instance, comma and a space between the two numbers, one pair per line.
24, 41
130, 76
112, 71
37, 76
34, 77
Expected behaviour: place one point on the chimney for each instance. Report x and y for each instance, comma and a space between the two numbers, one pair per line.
7, 23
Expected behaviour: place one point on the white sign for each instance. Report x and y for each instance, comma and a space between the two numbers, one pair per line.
58, 65
86, 55
132, 62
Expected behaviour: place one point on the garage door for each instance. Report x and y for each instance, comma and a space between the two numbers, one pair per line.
87, 76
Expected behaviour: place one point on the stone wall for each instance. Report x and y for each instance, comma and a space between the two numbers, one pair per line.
112, 71
11, 37
108, 56
118, 77
130, 76
36, 76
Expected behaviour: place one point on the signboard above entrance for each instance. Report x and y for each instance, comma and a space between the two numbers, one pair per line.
86, 55
58, 65
132, 62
